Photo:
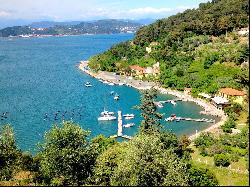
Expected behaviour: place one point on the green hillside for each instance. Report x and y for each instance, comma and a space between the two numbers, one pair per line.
199, 48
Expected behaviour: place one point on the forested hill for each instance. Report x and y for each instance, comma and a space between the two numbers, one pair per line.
199, 48
108, 26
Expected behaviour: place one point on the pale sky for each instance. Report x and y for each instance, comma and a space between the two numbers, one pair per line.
66, 10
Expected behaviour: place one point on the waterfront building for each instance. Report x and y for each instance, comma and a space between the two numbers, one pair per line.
220, 102
232, 94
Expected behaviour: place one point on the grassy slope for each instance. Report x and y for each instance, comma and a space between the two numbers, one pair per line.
224, 175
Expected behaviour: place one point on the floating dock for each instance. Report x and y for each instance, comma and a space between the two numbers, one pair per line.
189, 119
119, 130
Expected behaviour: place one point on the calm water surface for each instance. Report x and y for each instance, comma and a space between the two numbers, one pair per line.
40, 75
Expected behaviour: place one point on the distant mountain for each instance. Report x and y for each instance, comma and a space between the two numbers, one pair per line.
12, 22
107, 26
47, 24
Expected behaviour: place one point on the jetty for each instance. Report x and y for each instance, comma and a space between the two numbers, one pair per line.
174, 118
120, 128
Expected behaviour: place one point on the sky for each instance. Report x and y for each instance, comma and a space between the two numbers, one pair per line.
81, 10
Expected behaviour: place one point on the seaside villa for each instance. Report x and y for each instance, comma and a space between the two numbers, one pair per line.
138, 71
233, 94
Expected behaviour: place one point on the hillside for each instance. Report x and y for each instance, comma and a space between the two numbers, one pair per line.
199, 48
109, 26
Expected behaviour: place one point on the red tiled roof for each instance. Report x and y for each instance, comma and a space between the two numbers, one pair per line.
231, 92
136, 67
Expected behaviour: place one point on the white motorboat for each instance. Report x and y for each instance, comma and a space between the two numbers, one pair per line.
159, 104
106, 116
173, 103
128, 125
128, 115
111, 84
116, 97
107, 113
169, 119
87, 84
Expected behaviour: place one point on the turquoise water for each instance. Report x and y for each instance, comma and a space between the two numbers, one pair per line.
40, 75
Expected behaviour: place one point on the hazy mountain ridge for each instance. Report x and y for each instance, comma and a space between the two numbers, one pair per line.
106, 26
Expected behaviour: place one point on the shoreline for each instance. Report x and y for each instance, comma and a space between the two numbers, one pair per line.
209, 109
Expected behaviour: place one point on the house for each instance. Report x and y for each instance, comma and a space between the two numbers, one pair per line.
137, 70
187, 90
140, 71
243, 31
230, 93
220, 102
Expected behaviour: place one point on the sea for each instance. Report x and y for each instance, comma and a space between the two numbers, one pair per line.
41, 85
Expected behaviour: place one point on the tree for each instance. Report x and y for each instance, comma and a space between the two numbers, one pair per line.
151, 118
101, 143
201, 177
205, 139
147, 163
228, 125
106, 164
9, 152
66, 157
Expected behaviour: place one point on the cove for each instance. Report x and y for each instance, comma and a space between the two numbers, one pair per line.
40, 75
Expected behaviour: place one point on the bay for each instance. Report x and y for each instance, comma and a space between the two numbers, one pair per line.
39, 76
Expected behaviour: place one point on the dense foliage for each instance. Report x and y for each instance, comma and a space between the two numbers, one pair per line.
68, 157
199, 48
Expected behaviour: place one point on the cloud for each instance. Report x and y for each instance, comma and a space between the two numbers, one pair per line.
4, 13
150, 10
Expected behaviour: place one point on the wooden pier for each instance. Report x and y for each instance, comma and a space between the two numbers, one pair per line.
189, 119
119, 130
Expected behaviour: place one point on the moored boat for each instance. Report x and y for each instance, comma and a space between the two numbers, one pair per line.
87, 84
128, 125
116, 97
106, 116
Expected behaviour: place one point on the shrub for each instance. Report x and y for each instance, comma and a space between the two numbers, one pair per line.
216, 149
205, 139
222, 160
201, 177
228, 125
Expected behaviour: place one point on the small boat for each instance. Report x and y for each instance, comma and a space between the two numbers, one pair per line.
159, 104
128, 125
116, 97
106, 118
169, 119
173, 102
112, 93
107, 113
87, 84
111, 84
128, 115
